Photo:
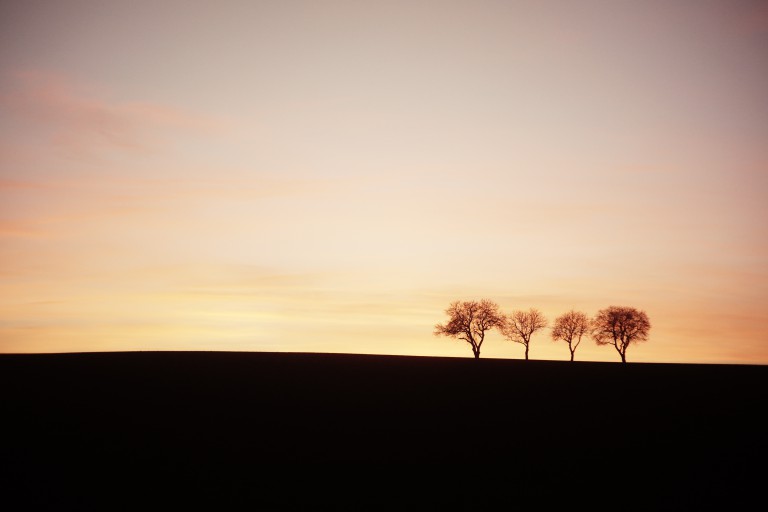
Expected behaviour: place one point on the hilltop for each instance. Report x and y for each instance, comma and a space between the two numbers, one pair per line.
209, 421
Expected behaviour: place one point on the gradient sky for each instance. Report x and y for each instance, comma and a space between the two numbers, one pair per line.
328, 176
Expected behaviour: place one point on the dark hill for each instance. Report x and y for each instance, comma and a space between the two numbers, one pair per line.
237, 426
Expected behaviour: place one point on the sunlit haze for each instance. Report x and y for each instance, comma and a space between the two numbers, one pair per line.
328, 176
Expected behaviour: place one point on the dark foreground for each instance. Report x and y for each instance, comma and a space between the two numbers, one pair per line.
279, 431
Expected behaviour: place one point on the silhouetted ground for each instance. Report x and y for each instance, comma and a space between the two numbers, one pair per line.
280, 431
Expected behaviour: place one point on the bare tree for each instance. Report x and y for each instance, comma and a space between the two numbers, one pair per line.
570, 327
519, 326
620, 326
469, 321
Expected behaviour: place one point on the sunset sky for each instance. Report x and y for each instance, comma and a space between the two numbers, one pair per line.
327, 176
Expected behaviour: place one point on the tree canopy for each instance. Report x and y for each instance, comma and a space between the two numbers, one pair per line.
570, 327
469, 321
519, 326
620, 326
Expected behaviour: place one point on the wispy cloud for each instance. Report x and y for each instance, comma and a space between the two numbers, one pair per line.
17, 229
13, 185
82, 121
68, 205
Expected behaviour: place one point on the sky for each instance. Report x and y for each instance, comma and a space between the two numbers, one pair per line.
328, 176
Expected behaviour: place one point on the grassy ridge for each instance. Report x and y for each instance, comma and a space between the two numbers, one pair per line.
215, 420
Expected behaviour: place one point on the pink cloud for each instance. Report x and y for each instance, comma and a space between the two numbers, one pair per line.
11, 185
16, 229
69, 207
80, 120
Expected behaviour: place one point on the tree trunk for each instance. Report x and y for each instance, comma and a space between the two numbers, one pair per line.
623, 357
477, 353
572, 355
620, 351
526, 352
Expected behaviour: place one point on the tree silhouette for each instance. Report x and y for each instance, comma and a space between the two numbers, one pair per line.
570, 327
620, 326
519, 326
469, 320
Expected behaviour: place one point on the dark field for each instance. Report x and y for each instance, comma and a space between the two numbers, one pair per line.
278, 431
